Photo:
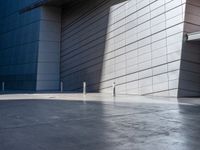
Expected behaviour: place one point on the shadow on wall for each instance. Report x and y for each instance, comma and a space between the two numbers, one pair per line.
83, 43
189, 81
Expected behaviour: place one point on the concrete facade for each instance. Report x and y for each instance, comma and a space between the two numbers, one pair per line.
48, 69
18, 45
29, 47
189, 83
138, 44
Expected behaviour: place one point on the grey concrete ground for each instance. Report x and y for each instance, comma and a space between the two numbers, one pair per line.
98, 122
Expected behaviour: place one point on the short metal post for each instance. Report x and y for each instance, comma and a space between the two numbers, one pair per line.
3, 86
84, 88
61, 86
114, 89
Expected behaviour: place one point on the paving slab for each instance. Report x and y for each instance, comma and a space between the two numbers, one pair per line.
97, 122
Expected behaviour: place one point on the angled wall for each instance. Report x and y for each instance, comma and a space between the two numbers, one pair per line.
189, 84
135, 43
48, 63
29, 46
18, 45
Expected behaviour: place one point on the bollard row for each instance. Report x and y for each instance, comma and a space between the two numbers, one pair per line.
85, 89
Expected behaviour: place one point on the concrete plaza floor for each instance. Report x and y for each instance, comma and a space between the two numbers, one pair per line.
98, 122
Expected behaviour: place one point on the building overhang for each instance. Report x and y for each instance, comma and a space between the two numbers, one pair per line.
195, 36
57, 3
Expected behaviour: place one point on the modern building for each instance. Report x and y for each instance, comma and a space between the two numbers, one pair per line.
147, 47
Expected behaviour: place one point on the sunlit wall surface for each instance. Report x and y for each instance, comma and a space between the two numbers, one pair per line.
134, 43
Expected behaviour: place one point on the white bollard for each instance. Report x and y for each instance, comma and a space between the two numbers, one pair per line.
3, 86
61, 86
84, 88
114, 89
